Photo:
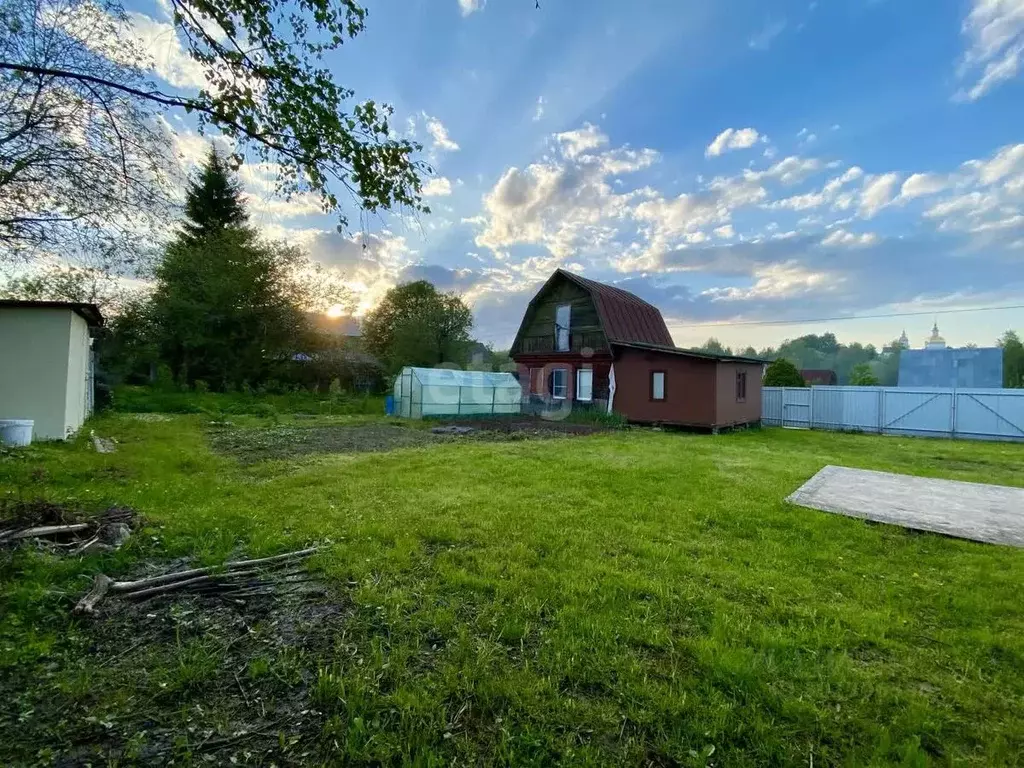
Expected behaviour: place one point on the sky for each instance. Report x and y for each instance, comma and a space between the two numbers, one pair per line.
734, 163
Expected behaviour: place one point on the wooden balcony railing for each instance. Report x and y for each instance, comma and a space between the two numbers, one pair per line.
577, 342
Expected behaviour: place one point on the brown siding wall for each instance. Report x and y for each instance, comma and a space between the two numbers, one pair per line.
728, 410
689, 388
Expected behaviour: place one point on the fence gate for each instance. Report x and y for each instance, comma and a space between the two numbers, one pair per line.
796, 407
987, 414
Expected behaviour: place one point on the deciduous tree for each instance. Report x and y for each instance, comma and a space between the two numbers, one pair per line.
782, 373
416, 325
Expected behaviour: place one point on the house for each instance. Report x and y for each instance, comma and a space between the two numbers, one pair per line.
940, 366
46, 371
587, 344
819, 376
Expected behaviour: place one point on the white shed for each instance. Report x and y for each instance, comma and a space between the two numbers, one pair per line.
45, 364
423, 392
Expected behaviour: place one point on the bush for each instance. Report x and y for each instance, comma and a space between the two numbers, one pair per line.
133, 399
782, 373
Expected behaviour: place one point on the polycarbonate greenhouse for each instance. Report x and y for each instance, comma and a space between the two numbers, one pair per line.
423, 392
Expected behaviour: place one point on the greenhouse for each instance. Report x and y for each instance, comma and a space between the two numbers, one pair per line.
423, 392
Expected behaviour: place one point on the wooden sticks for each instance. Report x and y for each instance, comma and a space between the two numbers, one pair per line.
228, 577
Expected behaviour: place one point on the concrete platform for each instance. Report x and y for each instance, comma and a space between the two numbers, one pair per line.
990, 513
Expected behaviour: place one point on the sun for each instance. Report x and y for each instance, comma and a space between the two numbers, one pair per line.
335, 311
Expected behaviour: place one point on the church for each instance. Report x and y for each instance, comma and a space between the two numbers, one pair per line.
937, 365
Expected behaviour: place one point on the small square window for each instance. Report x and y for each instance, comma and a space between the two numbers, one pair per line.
657, 385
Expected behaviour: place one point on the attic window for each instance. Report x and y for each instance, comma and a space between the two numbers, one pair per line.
562, 315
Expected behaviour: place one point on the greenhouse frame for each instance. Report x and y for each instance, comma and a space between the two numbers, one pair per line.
428, 392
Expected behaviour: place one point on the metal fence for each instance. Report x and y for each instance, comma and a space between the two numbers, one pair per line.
978, 414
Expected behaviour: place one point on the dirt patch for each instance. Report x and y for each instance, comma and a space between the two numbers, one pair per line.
282, 442
64, 530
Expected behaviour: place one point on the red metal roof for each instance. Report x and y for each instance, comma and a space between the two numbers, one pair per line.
625, 317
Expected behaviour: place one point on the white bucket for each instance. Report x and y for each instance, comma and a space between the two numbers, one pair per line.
16, 432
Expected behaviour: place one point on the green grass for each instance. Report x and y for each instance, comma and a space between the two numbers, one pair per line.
635, 598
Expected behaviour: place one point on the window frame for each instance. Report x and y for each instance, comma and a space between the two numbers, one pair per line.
567, 328
741, 386
664, 386
579, 388
565, 385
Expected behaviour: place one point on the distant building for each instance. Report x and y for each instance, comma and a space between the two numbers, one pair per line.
940, 366
819, 376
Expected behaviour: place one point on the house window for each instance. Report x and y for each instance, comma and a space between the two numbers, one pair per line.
536, 379
741, 387
559, 383
585, 384
562, 314
657, 385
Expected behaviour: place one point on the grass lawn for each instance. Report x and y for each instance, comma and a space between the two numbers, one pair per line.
635, 597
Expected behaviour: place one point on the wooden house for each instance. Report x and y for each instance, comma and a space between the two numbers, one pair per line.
587, 344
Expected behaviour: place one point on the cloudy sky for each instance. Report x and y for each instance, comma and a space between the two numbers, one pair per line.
731, 162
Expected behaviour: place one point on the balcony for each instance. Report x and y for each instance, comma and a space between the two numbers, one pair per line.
578, 341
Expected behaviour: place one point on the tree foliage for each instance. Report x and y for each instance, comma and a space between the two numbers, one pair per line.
213, 201
81, 153
229, 307
782, 373
416, 325
1013, 359
81, 160
863, 376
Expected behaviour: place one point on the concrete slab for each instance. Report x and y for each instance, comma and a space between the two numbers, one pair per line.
990, 513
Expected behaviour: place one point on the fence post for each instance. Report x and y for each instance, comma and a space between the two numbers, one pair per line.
460, 400
810, 418
493, 390
881, 410
952, 404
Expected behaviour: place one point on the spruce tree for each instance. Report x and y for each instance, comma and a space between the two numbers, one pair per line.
213, 201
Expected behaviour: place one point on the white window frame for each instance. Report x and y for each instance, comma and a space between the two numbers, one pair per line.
589, 387
565, 383
559, 328
654, 389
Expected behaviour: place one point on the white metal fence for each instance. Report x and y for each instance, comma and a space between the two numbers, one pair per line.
979, 414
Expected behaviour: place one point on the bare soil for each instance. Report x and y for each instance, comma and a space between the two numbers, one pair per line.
283, 442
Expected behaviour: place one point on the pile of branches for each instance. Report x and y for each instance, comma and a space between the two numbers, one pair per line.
238, 579
67, 532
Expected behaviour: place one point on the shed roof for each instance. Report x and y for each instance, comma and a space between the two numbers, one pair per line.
89, 312
672, 350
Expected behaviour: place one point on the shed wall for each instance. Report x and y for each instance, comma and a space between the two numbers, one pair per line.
729, 411
34, 362
690, 388
76, 397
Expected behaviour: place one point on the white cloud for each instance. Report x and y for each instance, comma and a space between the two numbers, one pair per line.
824, 196
167, 56
995, 32
725, 232
467, 7
922, 185
1007, 161
437, 186
732, 138
763, 39
538, 112
878, 192
790, 170
439, 133
840, 237
581, 140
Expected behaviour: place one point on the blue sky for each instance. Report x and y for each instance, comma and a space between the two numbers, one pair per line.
732, 162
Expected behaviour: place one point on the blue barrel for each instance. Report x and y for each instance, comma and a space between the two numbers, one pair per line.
389, 405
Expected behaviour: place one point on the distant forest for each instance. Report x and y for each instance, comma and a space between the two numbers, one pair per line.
826, 352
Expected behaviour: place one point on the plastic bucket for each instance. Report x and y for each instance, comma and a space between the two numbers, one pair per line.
16, 432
